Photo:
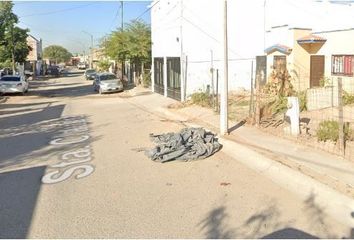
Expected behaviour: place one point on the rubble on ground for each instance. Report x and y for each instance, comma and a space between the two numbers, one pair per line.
187, 145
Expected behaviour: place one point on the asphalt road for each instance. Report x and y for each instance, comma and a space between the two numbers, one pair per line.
70, 167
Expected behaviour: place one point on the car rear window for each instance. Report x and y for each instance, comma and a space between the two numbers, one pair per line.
107, 77
10, 79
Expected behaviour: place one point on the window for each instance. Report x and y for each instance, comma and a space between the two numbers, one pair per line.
279, 62
342, 65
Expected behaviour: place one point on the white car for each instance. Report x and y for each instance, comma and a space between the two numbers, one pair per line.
81, 66
13, 84
106, 83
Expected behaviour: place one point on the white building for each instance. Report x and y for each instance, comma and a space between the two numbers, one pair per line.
187, 38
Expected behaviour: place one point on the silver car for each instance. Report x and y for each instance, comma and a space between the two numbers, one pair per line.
13, 84
107, 82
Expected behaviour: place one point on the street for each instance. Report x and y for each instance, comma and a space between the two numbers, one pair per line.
72, 166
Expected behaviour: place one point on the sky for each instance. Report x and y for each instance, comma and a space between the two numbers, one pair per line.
71, 23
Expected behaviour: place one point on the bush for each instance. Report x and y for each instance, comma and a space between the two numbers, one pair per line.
329, 130
348, 98
202, 99
280, 105
302, 101
147, 79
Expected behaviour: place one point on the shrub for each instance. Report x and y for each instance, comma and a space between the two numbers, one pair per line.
325, 81
280, 105
302, 101
329, 130
348, 98
202, 99
147, 79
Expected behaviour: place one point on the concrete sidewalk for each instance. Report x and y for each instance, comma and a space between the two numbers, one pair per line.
300, 168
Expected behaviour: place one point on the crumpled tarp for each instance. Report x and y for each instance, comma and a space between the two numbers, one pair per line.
189, 144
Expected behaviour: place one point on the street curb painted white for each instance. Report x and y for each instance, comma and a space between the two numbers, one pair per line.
333, 203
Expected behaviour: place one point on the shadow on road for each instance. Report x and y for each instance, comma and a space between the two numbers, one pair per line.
25, 136
215, 225
267, 223
72, 92
18, 198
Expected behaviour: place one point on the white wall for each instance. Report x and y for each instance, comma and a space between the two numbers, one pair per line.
202, 32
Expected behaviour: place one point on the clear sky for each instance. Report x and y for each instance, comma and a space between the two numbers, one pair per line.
64, 22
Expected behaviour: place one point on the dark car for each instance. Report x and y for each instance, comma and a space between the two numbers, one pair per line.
53, 71
90, 74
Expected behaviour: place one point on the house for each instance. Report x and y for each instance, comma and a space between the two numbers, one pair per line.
187, 41
312, 57
34, 58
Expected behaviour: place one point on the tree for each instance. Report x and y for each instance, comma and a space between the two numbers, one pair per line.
134, 44
57, 54
13, 40
104, 65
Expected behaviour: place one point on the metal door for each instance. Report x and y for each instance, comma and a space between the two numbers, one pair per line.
174, 78
158, 75
316, 70
261, 69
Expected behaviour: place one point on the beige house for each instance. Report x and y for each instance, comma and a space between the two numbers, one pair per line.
34, 57
312, 57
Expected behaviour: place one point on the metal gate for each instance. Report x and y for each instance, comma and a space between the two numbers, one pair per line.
316, 70
261, 69
174, 78
158, 73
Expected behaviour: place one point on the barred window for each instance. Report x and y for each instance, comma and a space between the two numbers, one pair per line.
342, 65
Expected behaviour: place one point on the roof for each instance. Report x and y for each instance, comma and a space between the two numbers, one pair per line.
278, 47
311, 39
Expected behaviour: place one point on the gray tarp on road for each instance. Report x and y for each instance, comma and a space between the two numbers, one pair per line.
189, 144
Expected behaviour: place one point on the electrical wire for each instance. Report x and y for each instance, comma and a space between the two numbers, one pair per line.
59, 11
142, 14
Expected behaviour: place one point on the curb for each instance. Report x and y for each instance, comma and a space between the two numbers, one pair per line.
333, 203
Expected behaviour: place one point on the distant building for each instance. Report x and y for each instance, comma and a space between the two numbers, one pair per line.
35, 56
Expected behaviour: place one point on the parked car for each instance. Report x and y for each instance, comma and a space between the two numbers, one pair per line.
81, 65
90, 74
5, 71
13, 84
53, 71
107, 82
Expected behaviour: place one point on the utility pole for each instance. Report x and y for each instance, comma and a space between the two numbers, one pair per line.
91, 52
224, 128
12, 48
264, 24
122, 29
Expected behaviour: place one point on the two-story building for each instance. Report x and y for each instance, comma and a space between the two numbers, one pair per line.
34, 59
187, 40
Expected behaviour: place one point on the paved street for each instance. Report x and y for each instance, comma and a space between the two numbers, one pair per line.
71, 166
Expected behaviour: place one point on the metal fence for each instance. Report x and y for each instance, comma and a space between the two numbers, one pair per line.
326, 115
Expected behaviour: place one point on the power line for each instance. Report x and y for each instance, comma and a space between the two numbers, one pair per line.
210, 36
58, 11
142, 14
116, 16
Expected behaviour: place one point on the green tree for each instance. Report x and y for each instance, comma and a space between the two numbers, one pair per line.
13, 40
56, 53
134, 44
104, 65
139, 36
